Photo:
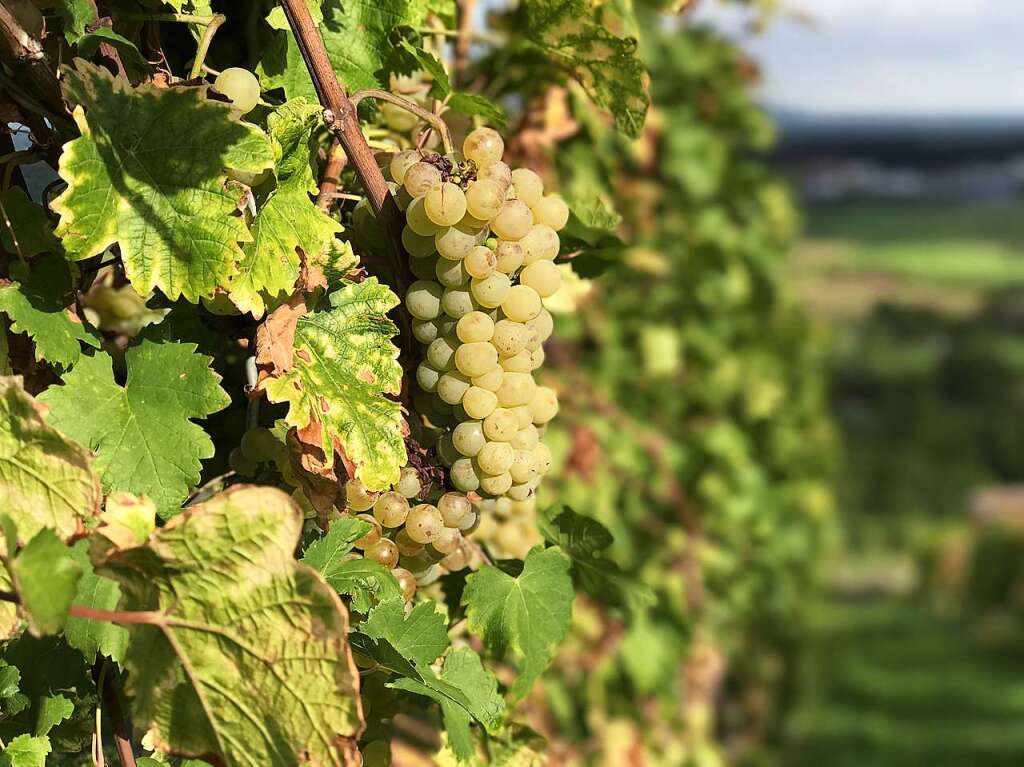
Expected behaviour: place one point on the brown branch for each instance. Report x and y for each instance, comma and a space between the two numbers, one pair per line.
22, 49
336, 161
122, 727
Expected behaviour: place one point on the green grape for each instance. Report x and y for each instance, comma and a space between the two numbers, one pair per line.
441, 353
475, 359
445, 204
358, 497
463, 475
424, 300
452, 386
544, 404
446, 449
541, 243
448, 540
496, 484
424, 523
513, 221
451, 274
416, 219
403, 198
240, 463
528, 185
544, 324
542, 458
524, 466
420, 178
521, 304
427, 377
484, 146
543, 276
383, 551
509, 255
424, 268
456, 510
407, 582
457, 302
495, 457
397, 118
456, 242
260, 445
552, 211
479, 403
473, 327
501, 425
517, 389
372, 535
480, 262
491, 292
457, 560
526, 438
401, 162
484, 199
390, 509
509, 337
241, 86
499, 173
468, 437
417, 245
491, 380
425, 331
408, 484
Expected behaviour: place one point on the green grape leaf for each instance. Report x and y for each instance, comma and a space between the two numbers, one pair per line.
53, 709
420, 637
365, 581
465, 691
441, 88
26, 751
288, 220
131, 57
142, 432
327, 553
45, 479
529, 613
344, 363
45, 577
605, 65
245, 656
77, 15
277, 20
148, 173
89, 636
39, 307
193, 7
32, 230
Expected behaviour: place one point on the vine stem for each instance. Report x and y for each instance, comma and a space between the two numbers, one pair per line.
96, 614
121, 727
427, 116
203, 48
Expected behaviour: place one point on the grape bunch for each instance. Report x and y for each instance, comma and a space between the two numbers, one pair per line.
482, 240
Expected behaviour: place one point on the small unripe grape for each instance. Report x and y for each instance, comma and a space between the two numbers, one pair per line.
481, 262
524, 467
401, 162
496, 484
384, 551
456, 242
526, 438
372, 535
420, 178
483, 146
551, 210
391, 509
240, 463
544, 404
509, 337
543, 276
495, 457
542, 458
516, 389
424, 523
513, 221
441, 353
491, 291
464, 476
407, 547
474, 327
408, 484
528, 185
484, 199
451, 387
260, 444
479, 403
241, 86
424, 268
445, 204
497, 172
416, 219
475, 359
417, 245
509, 256
468, 437
451, 274
491, 380
501, 426
521, 304
517, 363
427, 377
424, 300
358, 497
541, 243
407, 582
455, 508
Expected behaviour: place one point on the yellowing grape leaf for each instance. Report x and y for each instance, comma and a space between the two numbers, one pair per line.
147, 173
46, 480
288, 219
343, 364
39, 307
246, 657
144, 439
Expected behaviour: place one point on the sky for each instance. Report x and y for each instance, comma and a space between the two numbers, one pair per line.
950, 58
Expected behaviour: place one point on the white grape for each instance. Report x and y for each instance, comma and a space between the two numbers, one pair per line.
541, 243
408, 483
441, 353
391, 509
456, 510
513, 221
497, 172
501, 425
528, 185
423, 300
417, 245
537, 358
491, 291
542, 458
468, 437
519, 491
407, 582
484, 146
241, 86
447, 541
491, 380
495, 457
478, 402
544, 324
427, 377
475, 326
464, 476
451, 387
416, 218
451, 274
401, 162
524, 466
521, 304
510, 255
484, 199
496, 484
475, 359
445, 204
524, 416
420, 178
517, 389
551, 210
446, 450
424, 523
509, 337
358, 497
456, 242
383, 551
407, 547
543, 276
372, 536
544, 404
481, 262
526, 438
517, 363
457, 302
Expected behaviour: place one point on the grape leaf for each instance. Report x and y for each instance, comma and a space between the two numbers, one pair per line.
131, 57
420, 638
77, 15
26, 751
144, 439
288, 219
327, 553
89, 636
344, 363
45, 479
32, 229
147, 173
45, 577
365, 581
39, 307
246, 657
529, 613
